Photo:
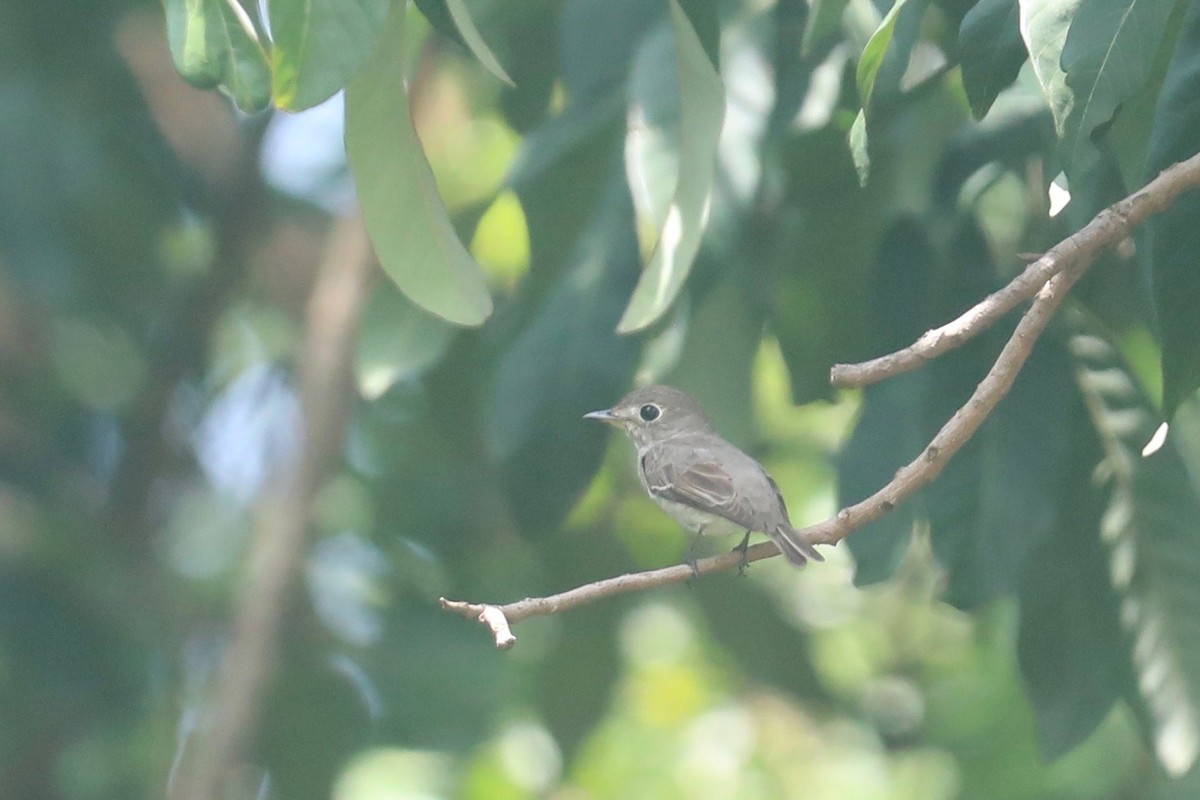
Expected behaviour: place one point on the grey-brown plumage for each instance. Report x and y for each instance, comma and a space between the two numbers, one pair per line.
702, 481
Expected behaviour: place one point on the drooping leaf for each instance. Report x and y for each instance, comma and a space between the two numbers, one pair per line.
886, 437
319, 45
823, 25
470, 34
858, 147
1108, 55
1000, 497
1151, 528
1174, 236
315, 717
597, 43
403, 212
716, 363
873, 54
397, 340
1130, 131
1089, 58
565, 361
991, 51
881, 67
890, 431
559, 174
700, 116
214, 44
1044, 30
1072, 654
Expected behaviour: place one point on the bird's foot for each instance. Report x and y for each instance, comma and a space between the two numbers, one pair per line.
741, 548
690, 560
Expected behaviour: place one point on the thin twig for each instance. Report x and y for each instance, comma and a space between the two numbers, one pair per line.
1108, 228
278, 543
1070, 259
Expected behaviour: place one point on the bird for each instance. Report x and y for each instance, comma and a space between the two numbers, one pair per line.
699, 479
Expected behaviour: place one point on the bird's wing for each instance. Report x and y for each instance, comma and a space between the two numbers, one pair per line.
701, 483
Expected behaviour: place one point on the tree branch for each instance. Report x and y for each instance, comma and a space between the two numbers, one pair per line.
278, 543
1108, 228
1047, 281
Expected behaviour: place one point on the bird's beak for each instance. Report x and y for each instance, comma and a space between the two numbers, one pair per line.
604, 416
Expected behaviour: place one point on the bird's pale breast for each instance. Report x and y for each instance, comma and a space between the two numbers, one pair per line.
693, 519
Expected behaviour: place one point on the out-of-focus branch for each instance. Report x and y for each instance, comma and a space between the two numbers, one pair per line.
1108, 228
1066, 262
278, 541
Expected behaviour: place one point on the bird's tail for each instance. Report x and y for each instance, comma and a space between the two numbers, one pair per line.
794, 547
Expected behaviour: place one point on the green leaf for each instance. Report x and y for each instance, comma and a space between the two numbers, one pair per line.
403, 212
214, 44
1174, 236
873, 54
1089, 59
476, 44
858, 147
597, 44
1044, 25
724, 330
701, 113
319, 45
881, 68
316, 716
991, 51
397, 341
824, 25
1151, 527
887, 436
1108, 56
1073, 657
563, 363
1130, 132
1000, 497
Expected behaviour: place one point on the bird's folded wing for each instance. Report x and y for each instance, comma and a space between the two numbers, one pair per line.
701, 484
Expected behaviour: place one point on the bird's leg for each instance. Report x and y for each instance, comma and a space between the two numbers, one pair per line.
741, 548
691, 554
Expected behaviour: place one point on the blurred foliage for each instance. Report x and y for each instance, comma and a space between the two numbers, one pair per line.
760, 190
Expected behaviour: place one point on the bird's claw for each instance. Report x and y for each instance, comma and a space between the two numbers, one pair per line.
741, 548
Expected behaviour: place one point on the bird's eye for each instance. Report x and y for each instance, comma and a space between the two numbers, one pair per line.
649, 412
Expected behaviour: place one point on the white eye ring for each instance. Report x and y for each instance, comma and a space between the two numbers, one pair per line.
649, 412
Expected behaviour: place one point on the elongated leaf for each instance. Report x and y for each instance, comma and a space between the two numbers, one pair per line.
991, 51
1089, 58
1130, 131
881, 68
873, 54
214, 44
319, 45
890, 430
858, 147
1000, 498
1151, 528
476, 44
701, 113
403, 212
1073, 657
565, 361
887, 436
1174, 236
397, 340
597, 43
823, 25
1108, 54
